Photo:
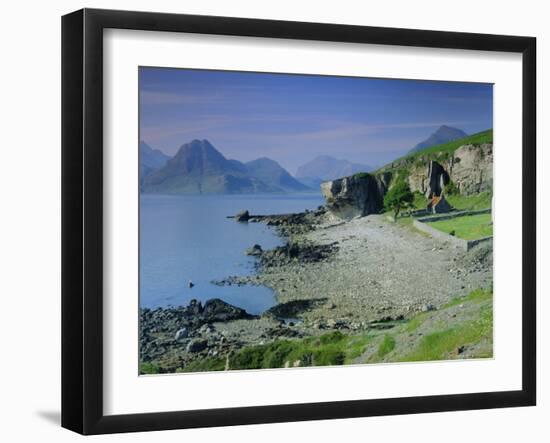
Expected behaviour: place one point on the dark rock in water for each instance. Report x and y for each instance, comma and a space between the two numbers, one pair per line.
217, 310
242, 216
358, 195
197, 345
255, 251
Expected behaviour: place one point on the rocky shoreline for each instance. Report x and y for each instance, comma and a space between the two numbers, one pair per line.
354, 276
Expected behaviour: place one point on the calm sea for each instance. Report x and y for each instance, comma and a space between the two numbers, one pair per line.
185, 238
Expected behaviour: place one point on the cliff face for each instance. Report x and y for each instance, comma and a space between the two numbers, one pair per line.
470, 167
354, 196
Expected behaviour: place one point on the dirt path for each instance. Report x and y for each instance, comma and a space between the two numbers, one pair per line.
381, 269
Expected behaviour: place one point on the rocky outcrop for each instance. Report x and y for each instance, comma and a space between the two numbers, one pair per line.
242, 216
255, 251
354, 196
471, 168
296, 252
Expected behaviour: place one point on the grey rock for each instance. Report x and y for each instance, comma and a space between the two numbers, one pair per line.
216, 310
471, 168
242, 216
181, 334
206, 329
255, 251
354, 196
428, 307
196, 345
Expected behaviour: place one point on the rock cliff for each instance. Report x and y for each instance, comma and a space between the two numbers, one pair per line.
353, 196
470, 168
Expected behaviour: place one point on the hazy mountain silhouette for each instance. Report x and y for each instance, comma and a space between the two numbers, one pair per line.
199, 168
444, 134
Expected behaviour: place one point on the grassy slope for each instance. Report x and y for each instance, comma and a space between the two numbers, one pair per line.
449, 148
470, 202
468, 227
433, 335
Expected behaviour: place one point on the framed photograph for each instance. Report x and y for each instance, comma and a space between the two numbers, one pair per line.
268, 221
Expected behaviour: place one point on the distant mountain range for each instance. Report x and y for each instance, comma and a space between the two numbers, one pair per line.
324, 168
444, 134
150, 159
199, 168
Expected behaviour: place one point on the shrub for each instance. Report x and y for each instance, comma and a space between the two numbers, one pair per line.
451, 188
398, 197
361, 175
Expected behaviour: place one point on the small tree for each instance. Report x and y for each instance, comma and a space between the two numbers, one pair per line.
451, 188
398, 197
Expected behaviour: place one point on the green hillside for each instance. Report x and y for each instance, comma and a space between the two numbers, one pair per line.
440, 152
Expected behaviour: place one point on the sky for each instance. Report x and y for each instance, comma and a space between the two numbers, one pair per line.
294, 118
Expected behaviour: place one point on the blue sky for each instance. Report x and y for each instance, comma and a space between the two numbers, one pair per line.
294, 118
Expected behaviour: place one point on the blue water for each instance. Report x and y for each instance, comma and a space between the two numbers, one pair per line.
186, 238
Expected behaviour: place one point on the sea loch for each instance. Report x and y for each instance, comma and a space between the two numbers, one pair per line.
190, 238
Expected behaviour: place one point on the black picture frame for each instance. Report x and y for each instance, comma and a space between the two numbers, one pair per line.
82, 220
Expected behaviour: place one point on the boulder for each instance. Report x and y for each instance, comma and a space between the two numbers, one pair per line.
216, 310
242, 216
255, 251
195, 307
354, 196
181, 334
197, 345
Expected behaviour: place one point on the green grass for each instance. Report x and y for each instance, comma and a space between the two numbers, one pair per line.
415, 322
475, 139
440, 152
441, 344
437, 340
470, 202
208, 364
360, 175
467, 227
387, 345
148, 368
331, 349
476, 296
420, 201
